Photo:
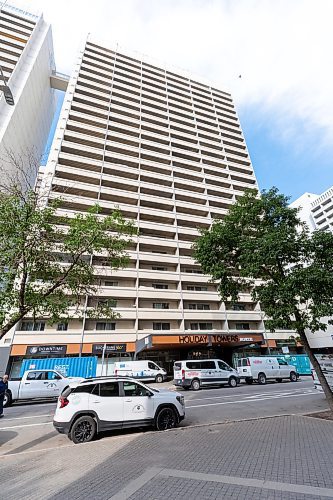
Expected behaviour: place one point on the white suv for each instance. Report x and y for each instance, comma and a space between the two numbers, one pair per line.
107, 403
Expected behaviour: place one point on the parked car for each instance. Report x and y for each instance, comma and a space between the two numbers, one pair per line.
143, 370
261, 369
94, 405
37, 384
194, 374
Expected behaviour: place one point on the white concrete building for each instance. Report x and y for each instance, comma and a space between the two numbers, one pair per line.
316, 210
322, 210
26, 57
169, 151
303, 203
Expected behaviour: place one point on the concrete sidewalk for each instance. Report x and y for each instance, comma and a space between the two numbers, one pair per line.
273, 458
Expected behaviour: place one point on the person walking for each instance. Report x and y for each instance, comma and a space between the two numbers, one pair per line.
3, 389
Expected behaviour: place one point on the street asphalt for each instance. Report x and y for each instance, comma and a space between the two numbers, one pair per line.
249, 442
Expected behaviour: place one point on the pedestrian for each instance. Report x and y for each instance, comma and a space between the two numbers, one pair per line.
3, 389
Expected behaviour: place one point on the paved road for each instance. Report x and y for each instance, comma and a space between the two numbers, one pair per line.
279, 458
27, 428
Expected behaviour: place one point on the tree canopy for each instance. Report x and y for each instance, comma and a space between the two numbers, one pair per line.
46, 261
261, 244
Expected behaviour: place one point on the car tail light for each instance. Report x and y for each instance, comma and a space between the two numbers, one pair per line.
115, 372
183, 374
63, 402
248, 362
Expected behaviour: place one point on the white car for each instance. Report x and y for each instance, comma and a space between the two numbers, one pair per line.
37, 384
144, 370
99, 404
196, 373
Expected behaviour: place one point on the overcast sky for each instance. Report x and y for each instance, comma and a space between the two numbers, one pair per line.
281, 48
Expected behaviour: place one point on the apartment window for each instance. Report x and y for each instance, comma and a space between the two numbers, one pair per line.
238, 307
161, 326
160, 305
160, 286
193, 271
62, 327
199, 307
111, 283
197, 288
101, 325
242, 326
29, 326
201, 326
159, 268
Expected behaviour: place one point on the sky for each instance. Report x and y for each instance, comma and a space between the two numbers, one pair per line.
274, 56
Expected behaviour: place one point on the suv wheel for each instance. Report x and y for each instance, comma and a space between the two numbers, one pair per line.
293, 377
195, 384
232, 382
261, 379
166, 418
83, 430
159, 379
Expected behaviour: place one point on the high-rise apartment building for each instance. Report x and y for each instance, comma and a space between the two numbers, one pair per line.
170, 153
27, 62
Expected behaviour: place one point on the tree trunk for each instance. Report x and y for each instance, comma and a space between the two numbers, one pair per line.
326, 388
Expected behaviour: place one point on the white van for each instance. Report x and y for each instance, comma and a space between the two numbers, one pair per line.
143, 370
265, 368
193, 373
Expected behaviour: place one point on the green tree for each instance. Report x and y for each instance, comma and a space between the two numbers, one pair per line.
262, 244
46, 266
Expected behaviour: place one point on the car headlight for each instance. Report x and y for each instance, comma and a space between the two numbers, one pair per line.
181, 400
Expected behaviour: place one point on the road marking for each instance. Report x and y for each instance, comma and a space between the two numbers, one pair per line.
26, 425
245, 482
259, 394
137, 483
247, 401
32, 416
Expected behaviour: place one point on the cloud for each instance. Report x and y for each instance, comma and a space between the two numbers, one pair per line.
281, 48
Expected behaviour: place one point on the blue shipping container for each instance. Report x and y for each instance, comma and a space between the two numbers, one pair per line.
68, 367
301, 361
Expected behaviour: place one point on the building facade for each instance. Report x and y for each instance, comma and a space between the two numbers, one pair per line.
27, 61
170, 153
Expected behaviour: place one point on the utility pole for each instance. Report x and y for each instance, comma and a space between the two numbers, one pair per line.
6, 90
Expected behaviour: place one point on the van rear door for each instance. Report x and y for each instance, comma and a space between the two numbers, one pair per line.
177, 370
244, 367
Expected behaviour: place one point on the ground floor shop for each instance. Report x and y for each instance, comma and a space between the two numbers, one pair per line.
164, 350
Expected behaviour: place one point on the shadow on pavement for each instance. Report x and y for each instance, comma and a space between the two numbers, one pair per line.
6, 436
31, 444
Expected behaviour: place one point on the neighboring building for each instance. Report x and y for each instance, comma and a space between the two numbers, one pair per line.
169, 151
27, 61
322, 210
317, 212
303, 203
